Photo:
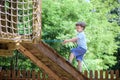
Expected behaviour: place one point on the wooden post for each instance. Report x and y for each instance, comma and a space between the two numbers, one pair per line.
33, 75
111, 74
37, 22
13, 74
117, 74
101, 74
86, 73
96, 75
9, 74
91, 74
23, 73
106, 74
28, 74
43, 75
18, 73
38, 75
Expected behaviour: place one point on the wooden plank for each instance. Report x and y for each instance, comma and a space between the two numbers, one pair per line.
112, 75
59, 66
48, 62
28, 74
91, 74
6, 53
43, 75
9, 38
96, 75
101, 74
18, 74
86, 73
106, 75
38, 62
117, 74
54, 67
53, 55
13, 46
8, 73
23, 73
9, 46
38, 75
33, 75
13, 74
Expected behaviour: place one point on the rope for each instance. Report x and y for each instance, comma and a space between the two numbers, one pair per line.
85, 65
18, 17
55, 40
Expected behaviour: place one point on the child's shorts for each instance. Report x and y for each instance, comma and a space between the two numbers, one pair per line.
78, 53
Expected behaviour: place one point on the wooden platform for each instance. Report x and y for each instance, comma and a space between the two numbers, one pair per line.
7, 48
48, 59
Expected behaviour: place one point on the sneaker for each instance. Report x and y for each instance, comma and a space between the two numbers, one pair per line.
69, 61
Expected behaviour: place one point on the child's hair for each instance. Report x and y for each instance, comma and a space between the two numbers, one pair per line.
82, 24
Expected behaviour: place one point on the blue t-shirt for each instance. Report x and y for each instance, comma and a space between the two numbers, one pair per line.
82, 40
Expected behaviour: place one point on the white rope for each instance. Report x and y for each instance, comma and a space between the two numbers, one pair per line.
17, 17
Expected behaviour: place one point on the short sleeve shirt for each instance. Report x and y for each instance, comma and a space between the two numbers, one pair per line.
82, 40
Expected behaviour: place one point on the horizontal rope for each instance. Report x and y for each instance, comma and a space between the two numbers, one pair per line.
55, 40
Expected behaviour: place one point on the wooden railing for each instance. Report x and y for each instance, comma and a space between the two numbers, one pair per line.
24, 75
103, 75
41, 75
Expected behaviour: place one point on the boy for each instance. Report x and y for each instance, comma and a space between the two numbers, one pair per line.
81, 48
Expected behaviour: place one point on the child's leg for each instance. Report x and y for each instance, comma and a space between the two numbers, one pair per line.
71, 57
80, 66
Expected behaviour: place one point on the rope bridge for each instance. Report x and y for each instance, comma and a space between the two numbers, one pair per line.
20, 20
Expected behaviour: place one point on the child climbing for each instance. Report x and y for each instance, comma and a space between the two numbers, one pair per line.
81, 48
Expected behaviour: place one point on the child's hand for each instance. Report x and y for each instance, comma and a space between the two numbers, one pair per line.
65, 41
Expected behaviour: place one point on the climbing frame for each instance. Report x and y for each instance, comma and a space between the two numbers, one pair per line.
20, 21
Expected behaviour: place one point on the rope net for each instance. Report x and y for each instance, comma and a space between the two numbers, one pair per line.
19, 20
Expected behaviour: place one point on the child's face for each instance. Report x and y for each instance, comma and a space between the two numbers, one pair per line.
79, 28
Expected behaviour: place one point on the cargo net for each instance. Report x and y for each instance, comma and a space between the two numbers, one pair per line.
18, 18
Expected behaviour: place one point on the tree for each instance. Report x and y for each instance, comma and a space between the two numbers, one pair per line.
113, 15
59, 17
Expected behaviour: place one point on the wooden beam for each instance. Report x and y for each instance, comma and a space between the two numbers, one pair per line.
37, 21
38, 62
6, 53
54, 61
9, 45
53, 55
5, 39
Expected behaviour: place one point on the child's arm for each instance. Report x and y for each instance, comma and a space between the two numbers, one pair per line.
70, 40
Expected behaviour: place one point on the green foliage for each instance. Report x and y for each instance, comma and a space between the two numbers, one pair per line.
17, 62
58, 21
